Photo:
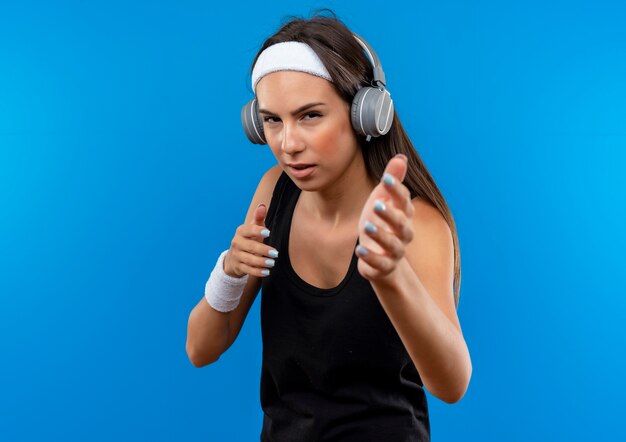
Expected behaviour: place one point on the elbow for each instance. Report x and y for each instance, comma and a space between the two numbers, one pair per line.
456, 395
452, 398
452, 395
199, 360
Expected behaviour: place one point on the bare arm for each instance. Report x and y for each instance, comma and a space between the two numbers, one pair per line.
410, 265
210, 332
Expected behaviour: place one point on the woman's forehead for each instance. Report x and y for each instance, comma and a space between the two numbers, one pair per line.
283, 88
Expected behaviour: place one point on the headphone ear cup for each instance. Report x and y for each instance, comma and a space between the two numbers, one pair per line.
372, 111
252, 122
356, 113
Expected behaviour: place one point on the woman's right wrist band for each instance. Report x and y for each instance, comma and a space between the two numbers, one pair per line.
223, 292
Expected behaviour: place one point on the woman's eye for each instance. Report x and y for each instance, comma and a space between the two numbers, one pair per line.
307, 116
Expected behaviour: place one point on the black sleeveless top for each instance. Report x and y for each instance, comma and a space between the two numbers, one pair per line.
334, 367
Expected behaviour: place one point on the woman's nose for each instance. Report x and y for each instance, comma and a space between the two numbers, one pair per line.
291, 142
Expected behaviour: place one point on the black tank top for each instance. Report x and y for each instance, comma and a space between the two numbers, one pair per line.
334, 367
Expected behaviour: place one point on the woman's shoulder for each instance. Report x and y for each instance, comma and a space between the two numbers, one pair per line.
272, 175
265, 190
279, 182
426, 209
270, 182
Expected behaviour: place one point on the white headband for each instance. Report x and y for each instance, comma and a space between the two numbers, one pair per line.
288, 56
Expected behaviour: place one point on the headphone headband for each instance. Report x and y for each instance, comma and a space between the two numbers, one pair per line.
377, 68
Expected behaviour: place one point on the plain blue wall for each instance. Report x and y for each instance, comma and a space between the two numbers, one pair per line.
124, 172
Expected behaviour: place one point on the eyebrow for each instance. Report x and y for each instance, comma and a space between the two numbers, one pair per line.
294, 113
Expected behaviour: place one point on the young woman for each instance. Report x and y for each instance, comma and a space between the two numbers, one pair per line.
353, 246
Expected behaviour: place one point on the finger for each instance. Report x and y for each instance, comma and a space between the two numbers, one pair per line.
390, 243
254, 247
254, 231
260, 265
397, 167
396, 219
259, 262
253, 263
400, 195
381, 264
255, 271
259, 215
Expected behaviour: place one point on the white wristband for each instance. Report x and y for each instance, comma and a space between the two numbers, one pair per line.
223, 292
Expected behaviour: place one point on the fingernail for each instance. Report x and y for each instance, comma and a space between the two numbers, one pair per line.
361, 250
269, 262
370, 227
273, 253
388, 179
379, 206
265, 233
265, 272
401, 155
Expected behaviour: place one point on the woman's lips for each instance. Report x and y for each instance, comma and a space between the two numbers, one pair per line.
301, 173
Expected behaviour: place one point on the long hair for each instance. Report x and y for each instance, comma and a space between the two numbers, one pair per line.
351, 70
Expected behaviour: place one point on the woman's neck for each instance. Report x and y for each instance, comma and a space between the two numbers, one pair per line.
342, 202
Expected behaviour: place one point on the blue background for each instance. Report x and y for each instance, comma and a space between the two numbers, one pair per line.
124, 172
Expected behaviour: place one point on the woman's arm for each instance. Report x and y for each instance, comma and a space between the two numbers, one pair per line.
418, 298
207, 334
210, 332
406, 251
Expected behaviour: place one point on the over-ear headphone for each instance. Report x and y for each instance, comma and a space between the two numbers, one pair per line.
371, 113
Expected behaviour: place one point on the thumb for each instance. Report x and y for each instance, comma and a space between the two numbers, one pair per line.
397, 166
259, 215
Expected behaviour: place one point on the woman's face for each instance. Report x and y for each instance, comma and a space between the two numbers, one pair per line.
306, 121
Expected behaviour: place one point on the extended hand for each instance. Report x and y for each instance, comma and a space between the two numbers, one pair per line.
385, 225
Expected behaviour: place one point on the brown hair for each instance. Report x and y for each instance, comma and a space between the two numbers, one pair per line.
350, 69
